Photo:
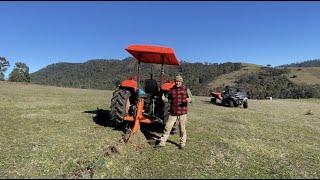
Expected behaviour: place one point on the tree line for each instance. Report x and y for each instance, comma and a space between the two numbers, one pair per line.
20, 72
307, 63
108, 74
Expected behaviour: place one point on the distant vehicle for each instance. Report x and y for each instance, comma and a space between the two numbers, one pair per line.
231, 97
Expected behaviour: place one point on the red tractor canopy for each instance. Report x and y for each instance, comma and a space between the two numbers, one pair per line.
153, 54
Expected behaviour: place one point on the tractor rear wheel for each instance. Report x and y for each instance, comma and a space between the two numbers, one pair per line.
120, 104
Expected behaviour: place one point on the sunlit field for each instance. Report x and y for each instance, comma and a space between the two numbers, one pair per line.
52, 132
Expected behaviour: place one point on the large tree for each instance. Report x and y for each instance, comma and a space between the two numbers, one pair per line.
20, 73
4, 64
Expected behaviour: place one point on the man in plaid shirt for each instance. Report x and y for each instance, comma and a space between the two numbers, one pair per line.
179, 97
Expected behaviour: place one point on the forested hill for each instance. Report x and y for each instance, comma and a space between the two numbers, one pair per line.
95, 74
107, 74
309, 63
202, 78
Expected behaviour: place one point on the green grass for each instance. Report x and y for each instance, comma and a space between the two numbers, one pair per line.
44, 133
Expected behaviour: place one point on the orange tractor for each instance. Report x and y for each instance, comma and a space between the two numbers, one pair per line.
133, 104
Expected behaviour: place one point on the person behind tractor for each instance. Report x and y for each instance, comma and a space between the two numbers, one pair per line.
179, 97
226, 90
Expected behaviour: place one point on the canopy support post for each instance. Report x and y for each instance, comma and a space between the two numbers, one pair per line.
162, 70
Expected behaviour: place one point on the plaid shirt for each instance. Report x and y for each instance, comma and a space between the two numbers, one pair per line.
178, 97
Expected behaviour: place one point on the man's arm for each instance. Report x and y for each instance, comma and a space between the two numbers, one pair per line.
189, 99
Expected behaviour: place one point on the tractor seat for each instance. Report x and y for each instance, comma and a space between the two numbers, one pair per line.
151, 86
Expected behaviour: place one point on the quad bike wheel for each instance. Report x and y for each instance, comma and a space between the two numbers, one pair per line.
245, 104
213, 100
230, 103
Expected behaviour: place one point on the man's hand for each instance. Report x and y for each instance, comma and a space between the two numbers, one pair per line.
189, 100
164, 98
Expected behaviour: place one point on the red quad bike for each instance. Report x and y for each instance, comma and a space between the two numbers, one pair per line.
233, 97
132, 105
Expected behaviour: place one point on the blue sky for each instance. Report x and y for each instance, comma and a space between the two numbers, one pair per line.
42, 33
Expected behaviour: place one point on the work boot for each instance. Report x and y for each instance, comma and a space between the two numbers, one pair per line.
159, 145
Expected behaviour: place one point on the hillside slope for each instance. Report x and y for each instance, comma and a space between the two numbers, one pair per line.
231, 78
298, 75
261, 82
306, 75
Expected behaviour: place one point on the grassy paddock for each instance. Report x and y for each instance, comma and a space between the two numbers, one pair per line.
50, 132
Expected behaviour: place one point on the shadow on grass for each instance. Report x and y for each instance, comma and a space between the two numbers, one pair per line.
103, 118
213, 104
150, 130
207, 102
